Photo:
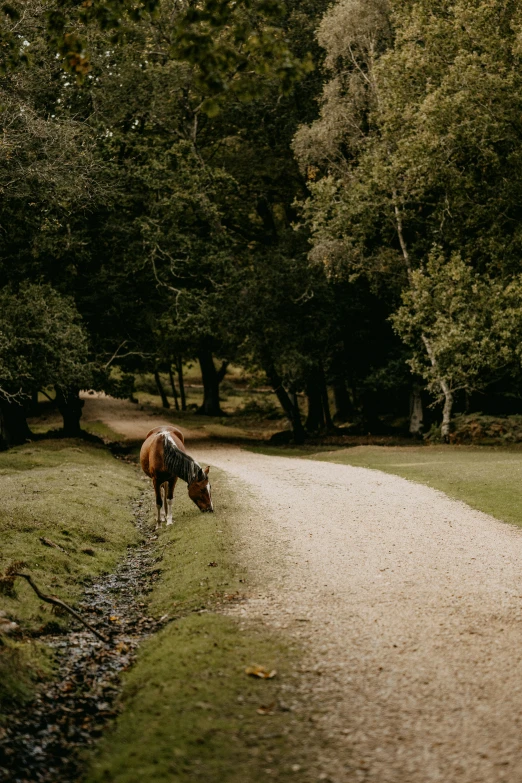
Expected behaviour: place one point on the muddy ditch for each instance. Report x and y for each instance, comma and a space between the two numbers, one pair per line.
42, 742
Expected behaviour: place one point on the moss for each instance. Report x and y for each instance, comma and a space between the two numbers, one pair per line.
188, 581
22, 665
101, 429
188, 708
77, 496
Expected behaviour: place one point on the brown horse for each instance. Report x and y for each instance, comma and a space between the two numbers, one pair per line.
164, 458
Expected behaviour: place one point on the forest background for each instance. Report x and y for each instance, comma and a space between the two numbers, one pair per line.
328, 195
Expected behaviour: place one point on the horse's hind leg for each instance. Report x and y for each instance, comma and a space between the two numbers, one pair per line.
159, 501
170, 496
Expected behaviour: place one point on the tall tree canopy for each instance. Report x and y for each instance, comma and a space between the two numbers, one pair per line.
418, 144
327, 193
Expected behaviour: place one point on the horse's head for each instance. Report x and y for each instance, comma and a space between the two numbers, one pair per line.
199, 491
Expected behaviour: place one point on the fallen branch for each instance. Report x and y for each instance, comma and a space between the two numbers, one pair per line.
47, 542
52, 599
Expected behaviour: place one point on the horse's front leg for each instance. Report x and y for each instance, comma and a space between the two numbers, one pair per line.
159, 500
170, 497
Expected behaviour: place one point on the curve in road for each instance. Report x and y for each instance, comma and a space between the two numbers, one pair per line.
408, 605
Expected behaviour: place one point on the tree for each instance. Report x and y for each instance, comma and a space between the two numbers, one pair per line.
186, 199
418, 143
193, 200
43, 343
150, 217
464, 328
225, 41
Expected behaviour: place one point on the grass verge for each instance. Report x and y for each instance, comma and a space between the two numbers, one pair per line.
101, 429
188, 709
77, 496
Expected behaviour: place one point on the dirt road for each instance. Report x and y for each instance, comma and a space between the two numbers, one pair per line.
408, 607
126, 418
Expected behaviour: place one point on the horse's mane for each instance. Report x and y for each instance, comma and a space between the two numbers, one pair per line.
177, 462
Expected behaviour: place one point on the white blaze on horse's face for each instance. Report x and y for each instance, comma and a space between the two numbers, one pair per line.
210, 497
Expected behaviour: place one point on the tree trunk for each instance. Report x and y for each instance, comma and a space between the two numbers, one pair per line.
161, 390
343, 404
326, 403
416, 412
34, 403
4, 434
315, 421
174, 390
319, 417
14, 429
70, 407
211, 380
291, 409
446, 411
446, 390
179, 367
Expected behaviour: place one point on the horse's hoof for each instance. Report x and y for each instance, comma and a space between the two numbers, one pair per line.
169, 522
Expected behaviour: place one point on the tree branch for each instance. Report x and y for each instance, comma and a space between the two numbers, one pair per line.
52, 599
222, 371
398, 219
51, 399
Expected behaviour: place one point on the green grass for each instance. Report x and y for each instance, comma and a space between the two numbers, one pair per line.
78, 496
188, 708
486, 478
101, 429
22, 665
312, 452
195, 540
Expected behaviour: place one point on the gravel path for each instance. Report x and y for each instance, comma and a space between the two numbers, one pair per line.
126, 418
408, 605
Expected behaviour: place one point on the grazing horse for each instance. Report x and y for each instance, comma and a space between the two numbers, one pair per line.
163, 457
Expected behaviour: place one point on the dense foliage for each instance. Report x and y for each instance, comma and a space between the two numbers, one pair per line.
414, 169
325, 193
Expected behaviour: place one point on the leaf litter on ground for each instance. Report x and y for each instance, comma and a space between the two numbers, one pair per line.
261, 672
